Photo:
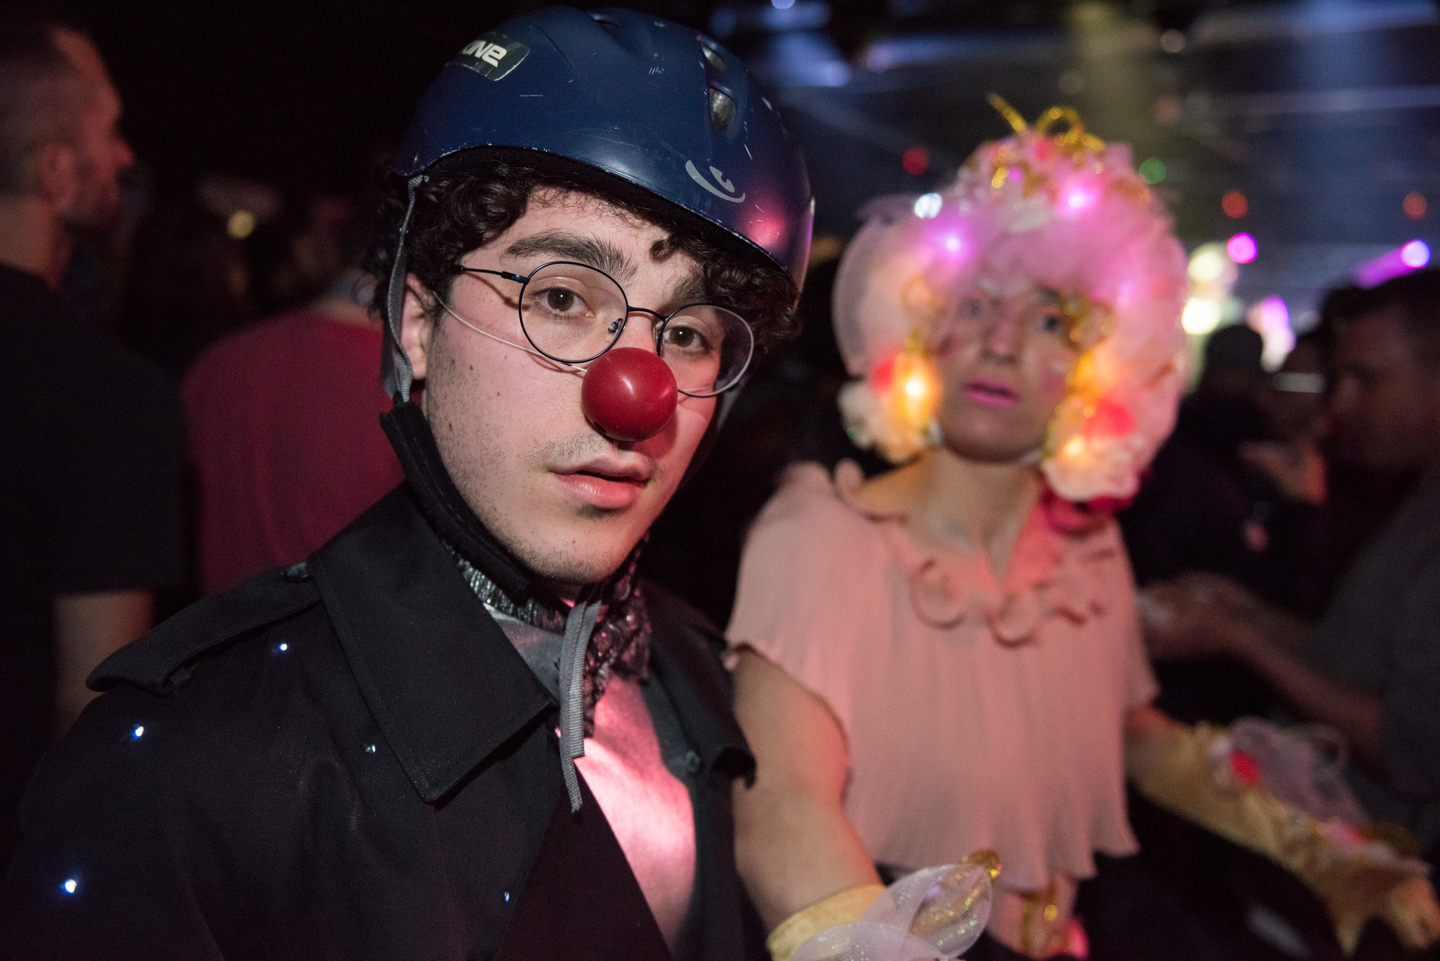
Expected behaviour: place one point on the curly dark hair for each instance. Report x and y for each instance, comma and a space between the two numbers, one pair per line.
473, 196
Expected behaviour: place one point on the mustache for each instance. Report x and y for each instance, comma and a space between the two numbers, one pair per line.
571, 451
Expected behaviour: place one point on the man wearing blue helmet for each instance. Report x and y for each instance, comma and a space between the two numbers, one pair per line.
463, 728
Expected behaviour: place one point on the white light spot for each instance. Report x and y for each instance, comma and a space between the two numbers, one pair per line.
1201, 316
928, 205
1207, 265
139, 730
284, 646
69, 885
369, 749
507, 897
1415, 254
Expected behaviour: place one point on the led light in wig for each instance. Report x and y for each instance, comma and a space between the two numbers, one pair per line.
908, 385
1412, 256
1241, 248
1104, 420
1078, 195
949, 243
928, 205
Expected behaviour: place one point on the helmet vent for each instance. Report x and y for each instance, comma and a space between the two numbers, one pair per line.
716, 61
722, 109
605, 20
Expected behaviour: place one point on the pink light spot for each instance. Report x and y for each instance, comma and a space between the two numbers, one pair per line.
1241, 248
1412, 256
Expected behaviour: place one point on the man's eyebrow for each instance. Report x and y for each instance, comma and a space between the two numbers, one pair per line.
584, 250
691, 291
597, 253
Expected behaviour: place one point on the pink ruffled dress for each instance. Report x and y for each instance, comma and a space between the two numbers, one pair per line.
980, 713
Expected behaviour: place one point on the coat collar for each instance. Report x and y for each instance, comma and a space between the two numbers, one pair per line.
443, 683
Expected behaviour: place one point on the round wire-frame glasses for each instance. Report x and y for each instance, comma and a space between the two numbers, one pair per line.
572, 313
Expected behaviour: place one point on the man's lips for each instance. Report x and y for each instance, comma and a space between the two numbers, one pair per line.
992, 393
610, 485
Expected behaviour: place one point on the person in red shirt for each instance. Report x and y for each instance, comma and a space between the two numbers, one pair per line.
285, 435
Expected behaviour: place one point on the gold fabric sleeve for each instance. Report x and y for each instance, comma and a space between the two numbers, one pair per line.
1354, 884
842, 908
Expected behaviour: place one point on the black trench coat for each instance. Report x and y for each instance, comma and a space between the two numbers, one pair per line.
349, 760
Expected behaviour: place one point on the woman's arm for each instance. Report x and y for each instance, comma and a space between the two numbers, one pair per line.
794, 845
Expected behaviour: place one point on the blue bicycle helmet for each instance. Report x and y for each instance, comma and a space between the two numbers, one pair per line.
649, 101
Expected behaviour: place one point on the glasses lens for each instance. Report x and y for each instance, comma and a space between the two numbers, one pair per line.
706, 347
571, 312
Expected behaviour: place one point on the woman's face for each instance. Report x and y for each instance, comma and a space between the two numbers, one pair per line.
1003, 357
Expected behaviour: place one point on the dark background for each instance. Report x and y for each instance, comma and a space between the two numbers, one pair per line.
1324, 113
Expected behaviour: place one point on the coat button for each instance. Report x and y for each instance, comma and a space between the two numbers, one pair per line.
296, 573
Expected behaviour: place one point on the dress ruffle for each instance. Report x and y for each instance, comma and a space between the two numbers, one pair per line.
958, 592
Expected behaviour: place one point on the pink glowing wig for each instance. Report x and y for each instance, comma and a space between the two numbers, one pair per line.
1065, 212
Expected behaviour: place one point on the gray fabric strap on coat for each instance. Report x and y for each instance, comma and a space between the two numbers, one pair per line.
396, 372
578, 626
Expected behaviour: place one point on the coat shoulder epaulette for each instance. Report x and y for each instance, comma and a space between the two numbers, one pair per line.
160, 661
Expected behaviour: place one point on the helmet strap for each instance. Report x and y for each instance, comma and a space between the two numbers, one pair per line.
396, 374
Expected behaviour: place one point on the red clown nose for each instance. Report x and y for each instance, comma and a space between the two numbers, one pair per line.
629, 394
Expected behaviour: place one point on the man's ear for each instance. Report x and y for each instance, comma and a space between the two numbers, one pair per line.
57, 175
416, 324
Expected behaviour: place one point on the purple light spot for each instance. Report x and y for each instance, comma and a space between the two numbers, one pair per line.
1415, 254
1241, 248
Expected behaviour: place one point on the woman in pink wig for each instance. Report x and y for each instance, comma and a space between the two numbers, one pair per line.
947, 657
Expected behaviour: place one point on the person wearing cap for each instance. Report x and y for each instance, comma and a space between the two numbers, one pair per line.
464, 728
947, 656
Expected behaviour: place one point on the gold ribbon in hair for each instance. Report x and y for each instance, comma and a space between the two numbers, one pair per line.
1074, 142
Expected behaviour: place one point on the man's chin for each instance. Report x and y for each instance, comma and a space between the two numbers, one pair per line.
583, 560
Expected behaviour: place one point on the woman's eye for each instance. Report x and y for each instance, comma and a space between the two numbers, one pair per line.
1052, 323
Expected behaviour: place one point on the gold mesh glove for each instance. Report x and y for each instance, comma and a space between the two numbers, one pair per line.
1356, 880
842, 908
